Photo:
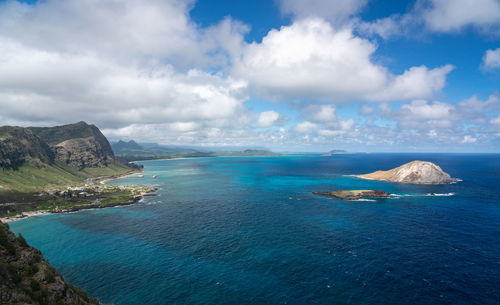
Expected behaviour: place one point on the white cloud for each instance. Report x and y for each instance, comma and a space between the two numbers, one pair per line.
383, 27
120, 64
442, 16
423, 110
310, 60
491, 59
120, 29
323, 113
305, 127
421, 114
454, 15
268, 118
476, 110
468, 140
337, 128
48, 86
335, 11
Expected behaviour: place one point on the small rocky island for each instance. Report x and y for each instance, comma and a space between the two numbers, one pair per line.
415, 172
355, 194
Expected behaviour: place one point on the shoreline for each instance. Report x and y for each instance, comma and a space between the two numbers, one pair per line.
104, 180
28, 214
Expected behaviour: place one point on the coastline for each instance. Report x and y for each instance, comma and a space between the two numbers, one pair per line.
28, 214
106, 179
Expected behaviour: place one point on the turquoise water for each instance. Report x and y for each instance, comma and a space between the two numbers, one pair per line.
249, 231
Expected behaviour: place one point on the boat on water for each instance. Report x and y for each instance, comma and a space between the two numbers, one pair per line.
140, 176
154, 176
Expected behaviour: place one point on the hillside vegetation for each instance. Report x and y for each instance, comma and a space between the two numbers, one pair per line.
39, 158
27, 278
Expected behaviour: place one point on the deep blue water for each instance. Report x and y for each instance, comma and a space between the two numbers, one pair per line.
249, 231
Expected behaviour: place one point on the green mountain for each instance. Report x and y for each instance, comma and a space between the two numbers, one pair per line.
80, 145
19, 146
27, 278
122, 145
36, 158
130, 151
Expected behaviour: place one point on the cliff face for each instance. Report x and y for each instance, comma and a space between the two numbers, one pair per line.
80, 145
27, 278
416, 172
19, 145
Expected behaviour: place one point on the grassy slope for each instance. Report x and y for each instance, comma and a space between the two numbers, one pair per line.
30, 178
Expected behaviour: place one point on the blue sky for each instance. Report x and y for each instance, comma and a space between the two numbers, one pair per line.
290, 75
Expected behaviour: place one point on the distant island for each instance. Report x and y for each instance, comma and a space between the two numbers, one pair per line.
336, 152
415, 172
132, 151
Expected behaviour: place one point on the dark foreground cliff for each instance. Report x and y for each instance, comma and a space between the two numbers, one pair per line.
27, 278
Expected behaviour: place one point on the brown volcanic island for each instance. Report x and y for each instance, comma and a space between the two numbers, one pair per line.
415, 172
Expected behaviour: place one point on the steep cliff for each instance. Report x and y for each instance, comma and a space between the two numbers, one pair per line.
415, 172
27, 278
36, 158
80, 144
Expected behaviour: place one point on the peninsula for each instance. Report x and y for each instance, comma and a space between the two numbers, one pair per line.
58, 169
415, 172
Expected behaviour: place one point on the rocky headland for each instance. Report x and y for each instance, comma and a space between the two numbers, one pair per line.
27, 278
415, 172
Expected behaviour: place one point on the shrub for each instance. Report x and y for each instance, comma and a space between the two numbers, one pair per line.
22, 241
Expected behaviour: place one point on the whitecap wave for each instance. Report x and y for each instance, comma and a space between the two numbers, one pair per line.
440, 195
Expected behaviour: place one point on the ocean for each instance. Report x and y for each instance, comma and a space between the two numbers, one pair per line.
248, 230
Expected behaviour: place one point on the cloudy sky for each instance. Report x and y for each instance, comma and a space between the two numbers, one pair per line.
289, 75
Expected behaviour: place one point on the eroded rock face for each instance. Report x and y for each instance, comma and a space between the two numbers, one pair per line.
415, 172
83, 152
80, 144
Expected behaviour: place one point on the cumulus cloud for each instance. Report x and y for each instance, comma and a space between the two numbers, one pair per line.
305, 127
336, 11
268, 118
310, 60
119, 64
454, 15
421, 114
121, 29
46, 86
468, 140
491, 59
442, 16
475, 110
322, 113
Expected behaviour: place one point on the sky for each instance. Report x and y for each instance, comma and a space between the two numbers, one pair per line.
287, 75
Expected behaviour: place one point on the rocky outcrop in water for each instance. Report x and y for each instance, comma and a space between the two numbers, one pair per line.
355, 194
415, 172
